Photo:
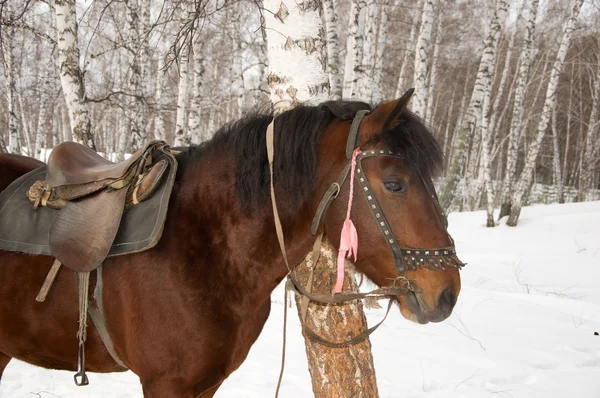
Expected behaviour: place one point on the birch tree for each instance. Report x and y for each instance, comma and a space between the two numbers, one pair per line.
421, 74
71, 75
334, 67
468, 126
182, 134
363, 74
586, 173
354, 47
10, 74
138, 18
408, 52
297, 75
549, 107
431, 86
197, 89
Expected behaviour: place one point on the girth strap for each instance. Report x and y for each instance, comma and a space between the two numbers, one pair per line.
97, 315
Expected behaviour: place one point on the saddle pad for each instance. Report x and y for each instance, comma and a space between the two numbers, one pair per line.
25, 230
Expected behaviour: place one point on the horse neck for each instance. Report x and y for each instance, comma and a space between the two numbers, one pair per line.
241, 243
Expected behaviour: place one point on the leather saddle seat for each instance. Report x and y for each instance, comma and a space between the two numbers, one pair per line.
72, 163
92, 194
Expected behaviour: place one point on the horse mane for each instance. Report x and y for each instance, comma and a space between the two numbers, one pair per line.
296, 139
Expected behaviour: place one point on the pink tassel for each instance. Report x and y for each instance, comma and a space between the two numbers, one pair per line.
349, 236
348, 248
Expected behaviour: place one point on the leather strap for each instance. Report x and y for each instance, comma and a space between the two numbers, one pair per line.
278, 227
352, 142
49, 281
97, 315
327, 198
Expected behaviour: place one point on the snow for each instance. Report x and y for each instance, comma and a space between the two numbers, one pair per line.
523, 326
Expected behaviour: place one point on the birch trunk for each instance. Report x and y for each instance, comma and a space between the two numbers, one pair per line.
473, 115
557, 173
292, 35
433, 74
298, 76
549, 106
364, 74
71, 75
486, 136
354, 46
45, 105
403, 76
334, 67
195, 122
421, 75
333, 374
159, 117
589, 153
182, 134
518, 108
377, 74
138, 18
10, 74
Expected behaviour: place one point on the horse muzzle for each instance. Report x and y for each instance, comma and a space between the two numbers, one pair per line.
414, 307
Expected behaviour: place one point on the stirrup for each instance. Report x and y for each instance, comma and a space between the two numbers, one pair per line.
81, 368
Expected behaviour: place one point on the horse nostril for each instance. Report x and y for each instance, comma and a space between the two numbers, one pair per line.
446, 300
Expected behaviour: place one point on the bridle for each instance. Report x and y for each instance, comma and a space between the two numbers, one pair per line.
405, 259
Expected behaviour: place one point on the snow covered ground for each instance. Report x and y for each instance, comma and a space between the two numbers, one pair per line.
523, 326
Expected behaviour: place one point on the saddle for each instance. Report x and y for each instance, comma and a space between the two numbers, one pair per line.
91, 194
83, 218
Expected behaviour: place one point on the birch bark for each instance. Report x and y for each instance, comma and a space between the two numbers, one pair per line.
10, 74
195, 121
407, 56
421, 75
71, 75
354, 47
434, 67
377, 83
468, 126
518, 108
364, 74
182, 134
589, 153
293, 35
138, 18
334, 67
524, 182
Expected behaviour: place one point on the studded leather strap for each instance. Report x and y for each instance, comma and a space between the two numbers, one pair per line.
404, 259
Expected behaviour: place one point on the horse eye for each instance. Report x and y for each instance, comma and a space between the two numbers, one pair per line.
395, 186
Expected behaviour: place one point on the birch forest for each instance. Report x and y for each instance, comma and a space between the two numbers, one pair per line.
510, 88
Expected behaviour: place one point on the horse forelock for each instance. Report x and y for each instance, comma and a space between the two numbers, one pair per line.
415, 143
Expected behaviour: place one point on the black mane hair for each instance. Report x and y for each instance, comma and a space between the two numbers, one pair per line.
418, 147
297, 133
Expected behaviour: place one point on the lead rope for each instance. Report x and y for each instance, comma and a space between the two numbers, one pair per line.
280, 239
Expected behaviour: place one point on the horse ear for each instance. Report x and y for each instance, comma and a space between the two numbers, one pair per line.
392, 119
384, 117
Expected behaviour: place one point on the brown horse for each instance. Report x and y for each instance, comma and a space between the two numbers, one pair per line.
184, 314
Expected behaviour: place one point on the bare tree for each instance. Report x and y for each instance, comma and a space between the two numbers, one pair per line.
474, 111
421, 75
549, 107
71, 75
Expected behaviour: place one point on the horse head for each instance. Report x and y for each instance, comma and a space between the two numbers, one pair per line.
402, 235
